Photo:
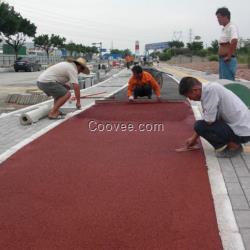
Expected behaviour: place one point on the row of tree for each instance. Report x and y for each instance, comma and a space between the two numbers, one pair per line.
123, 53
197, 48
14, 30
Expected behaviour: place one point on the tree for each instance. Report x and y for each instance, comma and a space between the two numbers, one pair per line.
14, 29
71, 47
90, 50
123, 53
214, 47
155, 54
195, 46
166, 55
244, 45
176, 44
77, 49
116, 51
49, 43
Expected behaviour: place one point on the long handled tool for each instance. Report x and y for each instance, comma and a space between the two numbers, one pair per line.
89, 95
185, 148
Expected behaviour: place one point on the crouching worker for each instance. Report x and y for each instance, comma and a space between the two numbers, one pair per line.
226, 119
141, 84
55, 81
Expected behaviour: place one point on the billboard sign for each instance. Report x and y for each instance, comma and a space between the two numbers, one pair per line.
155, 46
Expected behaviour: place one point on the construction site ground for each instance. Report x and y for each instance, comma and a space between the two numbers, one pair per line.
122, 193
243, 70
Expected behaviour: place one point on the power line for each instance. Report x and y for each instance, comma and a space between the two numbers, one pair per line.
190, 36
177, 35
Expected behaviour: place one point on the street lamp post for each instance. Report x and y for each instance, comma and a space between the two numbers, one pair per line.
100, 48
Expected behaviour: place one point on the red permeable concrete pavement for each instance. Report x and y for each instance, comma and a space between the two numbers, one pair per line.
77, 189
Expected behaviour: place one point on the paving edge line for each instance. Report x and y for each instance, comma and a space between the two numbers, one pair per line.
228, 228
8, 153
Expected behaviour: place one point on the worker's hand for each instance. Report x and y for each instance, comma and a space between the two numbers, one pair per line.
227, 58
131, 98
78, 105
190, 142
159, 98
73, 98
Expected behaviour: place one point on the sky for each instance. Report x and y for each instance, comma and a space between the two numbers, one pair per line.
118, 24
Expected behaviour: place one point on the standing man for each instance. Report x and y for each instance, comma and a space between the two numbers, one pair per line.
141, 84
227, 45
56, 80
128, 60
226, 119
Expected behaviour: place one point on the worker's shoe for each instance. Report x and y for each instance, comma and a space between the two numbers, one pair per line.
229, 153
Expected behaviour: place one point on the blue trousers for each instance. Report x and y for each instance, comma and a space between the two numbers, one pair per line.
227, 70
218, 134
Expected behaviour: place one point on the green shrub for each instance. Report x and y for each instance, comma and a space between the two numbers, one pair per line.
243, 58
213, 58
164, 57
202, 53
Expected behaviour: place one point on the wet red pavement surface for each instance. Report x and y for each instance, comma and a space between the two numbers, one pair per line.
77, 189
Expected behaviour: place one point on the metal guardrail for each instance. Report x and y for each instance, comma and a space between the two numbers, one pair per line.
8, 60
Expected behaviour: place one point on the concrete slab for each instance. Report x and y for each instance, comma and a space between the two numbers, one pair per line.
243, 219
246, 237
239, 202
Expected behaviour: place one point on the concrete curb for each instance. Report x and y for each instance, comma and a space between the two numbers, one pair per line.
2, 70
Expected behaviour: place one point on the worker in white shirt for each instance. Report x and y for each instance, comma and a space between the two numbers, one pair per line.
226, 119
57, 80
227, 45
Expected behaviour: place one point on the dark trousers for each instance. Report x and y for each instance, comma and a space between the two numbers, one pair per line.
143, 90
218, 134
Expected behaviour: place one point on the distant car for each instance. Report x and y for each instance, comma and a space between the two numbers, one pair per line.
27, 64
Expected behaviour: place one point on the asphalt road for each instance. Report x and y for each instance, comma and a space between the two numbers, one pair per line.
18, 79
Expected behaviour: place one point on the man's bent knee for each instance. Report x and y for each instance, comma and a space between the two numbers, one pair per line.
68, 94
200, 126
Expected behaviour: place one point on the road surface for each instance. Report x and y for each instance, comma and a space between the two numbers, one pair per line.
15, 82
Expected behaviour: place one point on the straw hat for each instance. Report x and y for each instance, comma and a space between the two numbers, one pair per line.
81, 61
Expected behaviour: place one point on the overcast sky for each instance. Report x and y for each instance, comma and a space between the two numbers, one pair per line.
121, 22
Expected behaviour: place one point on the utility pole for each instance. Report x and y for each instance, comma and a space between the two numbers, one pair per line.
100, 48
190, 35
177, 36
